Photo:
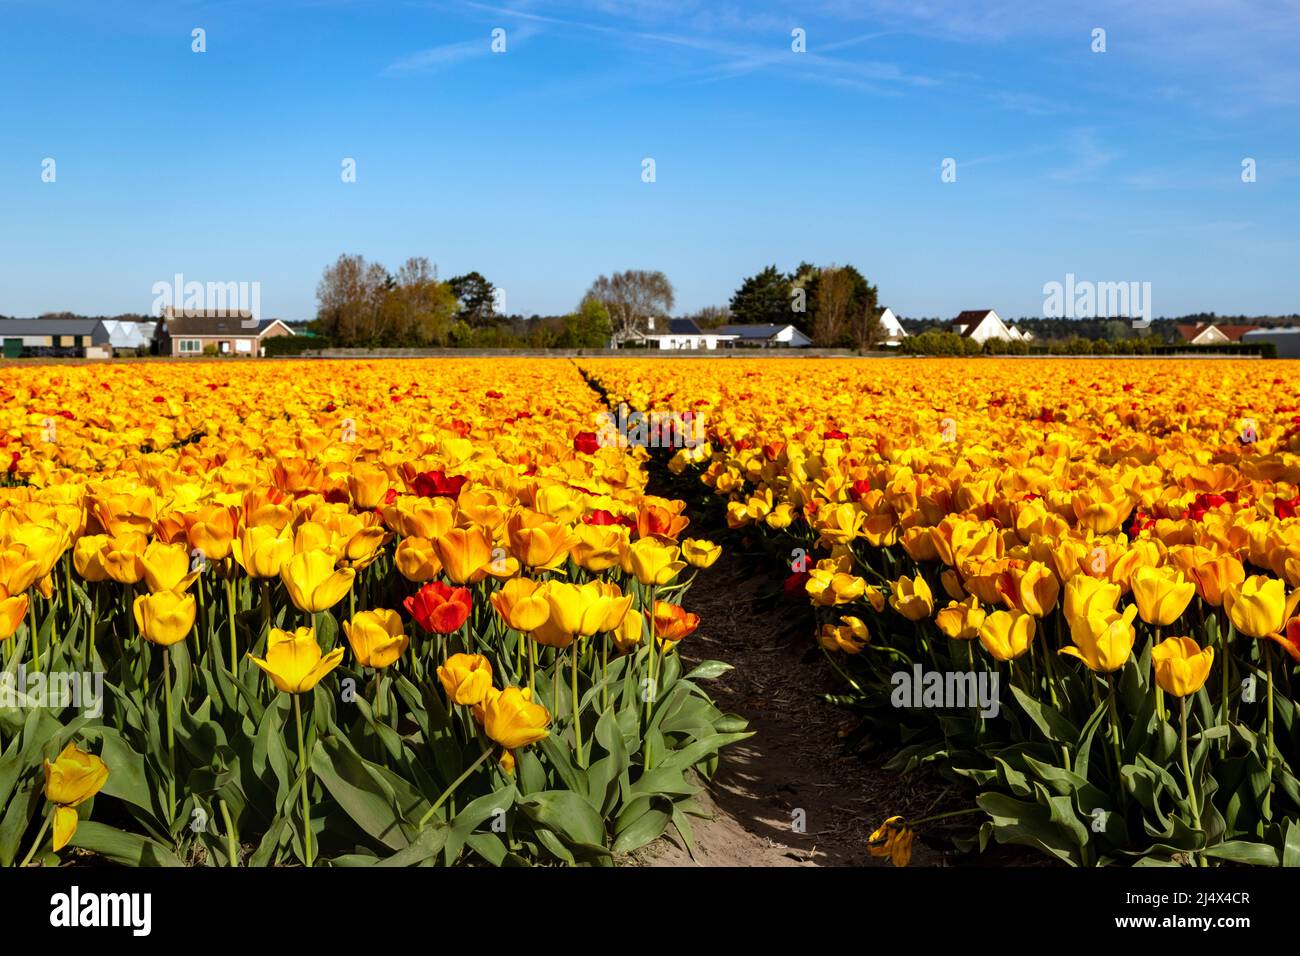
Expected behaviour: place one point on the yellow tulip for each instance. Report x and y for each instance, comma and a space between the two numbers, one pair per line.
597, 547
520, 606
1181, 665
464, 553
1257, 606
368, 485
165, 617
651, 561
261, 550
536, 541
912, 598
313, 583
1035, 589
827, 588
167, 567
1105, 640
466, 678
12, 611
377, 637
629, 633
513, 720
961, 621
1007, 635
1162, 594
294, 661
701, 554
88, 557
122, 557
417, 560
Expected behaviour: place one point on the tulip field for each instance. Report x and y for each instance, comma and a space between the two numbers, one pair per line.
408, 613
425, 612
1111, 544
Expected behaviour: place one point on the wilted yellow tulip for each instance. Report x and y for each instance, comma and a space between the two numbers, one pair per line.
312, 582
73, 778
466, 678
1181, 665
377, 637
165, 617
294, 661
893, 839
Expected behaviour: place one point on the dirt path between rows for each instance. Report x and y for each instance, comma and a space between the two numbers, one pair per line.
796, 760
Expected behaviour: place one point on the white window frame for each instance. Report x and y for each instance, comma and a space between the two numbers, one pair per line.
197, 346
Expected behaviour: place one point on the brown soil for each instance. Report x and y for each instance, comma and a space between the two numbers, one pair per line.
797, 758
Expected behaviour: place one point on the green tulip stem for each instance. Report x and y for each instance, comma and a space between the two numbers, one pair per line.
230, 608
1115, 735
40, 838
604, 672
232, 841
1187, 772
454, 784
36, 635
171, 733
1224, 634
532, 666
573, 691
1268, 667
302, 785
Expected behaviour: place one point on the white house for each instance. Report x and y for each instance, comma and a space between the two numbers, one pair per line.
768, 335
891, 329
683, 334
984, 324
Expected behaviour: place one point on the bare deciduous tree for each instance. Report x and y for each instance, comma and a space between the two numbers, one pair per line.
632, 297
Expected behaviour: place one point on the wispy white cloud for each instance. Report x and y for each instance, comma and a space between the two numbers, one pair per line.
1088, 157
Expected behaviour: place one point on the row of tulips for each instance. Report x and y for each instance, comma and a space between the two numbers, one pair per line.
1112, 546
409, 624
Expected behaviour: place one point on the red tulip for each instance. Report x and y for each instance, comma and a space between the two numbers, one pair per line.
437, 484
439, 609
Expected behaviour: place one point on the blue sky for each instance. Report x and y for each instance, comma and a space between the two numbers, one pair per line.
526, 165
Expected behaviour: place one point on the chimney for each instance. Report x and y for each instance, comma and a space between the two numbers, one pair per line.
650, 323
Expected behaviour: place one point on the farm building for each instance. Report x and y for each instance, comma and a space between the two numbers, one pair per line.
54, 338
